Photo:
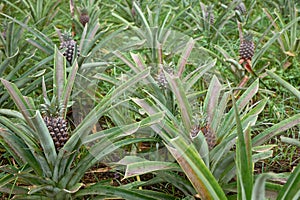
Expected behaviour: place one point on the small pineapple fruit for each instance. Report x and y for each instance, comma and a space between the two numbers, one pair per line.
56, 124
84, 17
194, 130
161, 78
246, 48
133, 11
209, 15
69, 45
241, 8
3, 33
209, 135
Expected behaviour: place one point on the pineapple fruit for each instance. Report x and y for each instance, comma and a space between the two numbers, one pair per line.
247, 48
161, 78
133, 11
84, 17
56, 124
208, 133
209, 15
70, 47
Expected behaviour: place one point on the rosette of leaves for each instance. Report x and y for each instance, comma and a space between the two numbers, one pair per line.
43, 172
213, 149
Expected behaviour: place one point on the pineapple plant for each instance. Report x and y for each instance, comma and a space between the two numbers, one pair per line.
70, 47
55, 122
40, 171
84, 17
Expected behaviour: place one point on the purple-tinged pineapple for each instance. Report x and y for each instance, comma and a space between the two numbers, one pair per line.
69, 46
56, 124
84, 17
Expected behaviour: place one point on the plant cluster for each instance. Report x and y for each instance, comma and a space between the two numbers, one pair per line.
183, 99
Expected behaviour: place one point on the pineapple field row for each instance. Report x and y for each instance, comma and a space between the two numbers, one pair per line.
141, 99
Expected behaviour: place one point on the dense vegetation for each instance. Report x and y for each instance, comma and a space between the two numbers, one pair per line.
163, 99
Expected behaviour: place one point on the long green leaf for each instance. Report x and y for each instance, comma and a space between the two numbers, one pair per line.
19, 100
259, 189
67, 89
291, 190
20, 149
243, 100
195, 169
285, 84
45, 139
143, 167
184, 57
194, 77
276, 130
59, 75
182, 100
114, 192
212, 99
244, 158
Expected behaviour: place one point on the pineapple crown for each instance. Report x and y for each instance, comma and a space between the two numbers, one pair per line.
248, 37
66, 36
52, 108
209, 8
84, 11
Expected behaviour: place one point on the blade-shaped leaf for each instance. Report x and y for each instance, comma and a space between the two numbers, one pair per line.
259, 189
110, 191
195, 169
285, 84
212, 99
243, 100
182, 100
139, 168
45, 139
67, 89
276, 130
59, 78
21, 150
184, 57
291, 190
19, 100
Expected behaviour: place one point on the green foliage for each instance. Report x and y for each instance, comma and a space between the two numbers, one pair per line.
160, 84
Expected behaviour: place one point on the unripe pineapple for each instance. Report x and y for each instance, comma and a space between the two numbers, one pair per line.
241, 8
133, 11
84, 17
58, 129
209, 15
209, 135
246, 48
195, 130
161, 78
4, 29
70, 46
56, 124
